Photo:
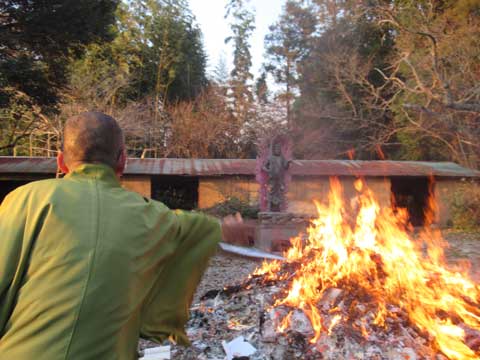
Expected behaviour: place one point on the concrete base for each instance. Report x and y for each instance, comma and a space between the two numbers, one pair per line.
275, 230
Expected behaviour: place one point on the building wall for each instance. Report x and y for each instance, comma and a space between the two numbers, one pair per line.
303, 190
445, 194
138, 183
214, 190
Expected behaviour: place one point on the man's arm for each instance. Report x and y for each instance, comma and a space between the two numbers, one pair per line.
167, 307
14, 251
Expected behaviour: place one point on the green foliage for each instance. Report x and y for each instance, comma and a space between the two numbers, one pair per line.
172, 55
103, 77
418, 147
286, 45
16, 120
287, 41
29, 76
53, 28
337, 71
37, 37
397, 75
466, 207
261, 89
400, 76
233, 205
242, 25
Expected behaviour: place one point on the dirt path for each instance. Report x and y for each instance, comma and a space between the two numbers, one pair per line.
464, 246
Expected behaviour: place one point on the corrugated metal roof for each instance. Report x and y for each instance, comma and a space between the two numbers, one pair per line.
193, 167
381, 168
214, 167
27, 165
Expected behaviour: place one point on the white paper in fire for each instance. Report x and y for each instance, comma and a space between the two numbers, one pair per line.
238, 347
156, 353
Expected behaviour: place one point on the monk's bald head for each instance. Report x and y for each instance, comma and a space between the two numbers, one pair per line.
92, 137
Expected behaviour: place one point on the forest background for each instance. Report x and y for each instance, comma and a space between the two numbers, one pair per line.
368, 79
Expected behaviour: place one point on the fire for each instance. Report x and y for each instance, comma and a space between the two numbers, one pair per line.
336, 319
373, 254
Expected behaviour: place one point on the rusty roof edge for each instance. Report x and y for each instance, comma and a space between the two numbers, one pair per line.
213, 167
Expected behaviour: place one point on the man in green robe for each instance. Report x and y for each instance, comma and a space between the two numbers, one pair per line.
87, 267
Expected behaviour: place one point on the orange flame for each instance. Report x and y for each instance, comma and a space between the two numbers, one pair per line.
335, 320
285, 323
377, 254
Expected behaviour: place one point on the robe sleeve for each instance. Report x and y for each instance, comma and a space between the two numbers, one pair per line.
166, 310
15, 248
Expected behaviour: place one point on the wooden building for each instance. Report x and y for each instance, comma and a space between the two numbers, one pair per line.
202, 183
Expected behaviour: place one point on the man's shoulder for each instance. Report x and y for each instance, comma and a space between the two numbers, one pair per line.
34, 186
24, 193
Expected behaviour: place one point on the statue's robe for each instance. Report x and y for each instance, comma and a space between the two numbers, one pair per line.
86, 267
276, 166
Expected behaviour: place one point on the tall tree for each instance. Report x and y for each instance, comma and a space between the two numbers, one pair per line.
172, 50
343, 103
37, 41
286, 45
242, 25
38, 37
436, 75
221, 76
220, 73
102, 78
261, 89
401, 75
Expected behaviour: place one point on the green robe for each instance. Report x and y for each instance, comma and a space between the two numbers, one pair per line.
86, 267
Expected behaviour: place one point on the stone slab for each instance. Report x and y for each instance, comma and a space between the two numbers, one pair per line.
276, 237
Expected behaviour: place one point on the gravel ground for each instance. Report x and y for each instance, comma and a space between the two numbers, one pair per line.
464, 246
225, 269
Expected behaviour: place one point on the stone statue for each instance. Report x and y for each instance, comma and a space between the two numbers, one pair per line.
276, 167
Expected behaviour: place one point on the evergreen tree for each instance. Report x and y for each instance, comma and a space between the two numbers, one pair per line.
220, 73
38, 39
286, 45
221, 77
242, 25
172, 50
261, 89
102, 79
343, 102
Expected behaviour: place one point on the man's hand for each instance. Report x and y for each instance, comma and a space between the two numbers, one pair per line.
231, 225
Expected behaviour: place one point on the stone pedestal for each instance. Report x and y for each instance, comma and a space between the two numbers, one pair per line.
275, 229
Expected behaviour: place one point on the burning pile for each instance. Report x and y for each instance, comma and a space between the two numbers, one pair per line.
390, 276
358, 287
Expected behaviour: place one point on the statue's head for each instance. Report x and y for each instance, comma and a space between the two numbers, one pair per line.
277, 149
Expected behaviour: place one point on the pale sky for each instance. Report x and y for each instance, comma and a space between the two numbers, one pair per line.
210, 17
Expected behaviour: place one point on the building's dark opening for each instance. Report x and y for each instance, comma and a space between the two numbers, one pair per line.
411, 193
7, 186
177, 192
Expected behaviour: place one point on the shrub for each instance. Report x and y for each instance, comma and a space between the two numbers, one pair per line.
233, 205
466, 207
